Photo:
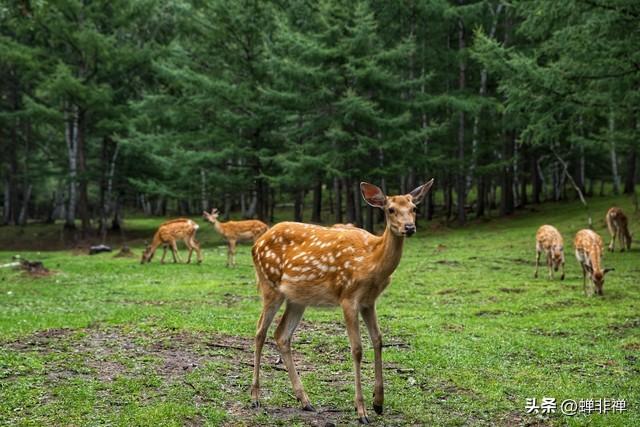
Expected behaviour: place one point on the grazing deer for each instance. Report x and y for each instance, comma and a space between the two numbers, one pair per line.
549, 240
305, 265
167, 234
589, 246
235, 231
618, 227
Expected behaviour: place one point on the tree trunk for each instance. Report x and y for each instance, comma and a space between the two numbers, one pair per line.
316, 210
348, 191
83, 198
357, 203
204, 201
369, 219
298, 205
461, 176
632, 161
614, 157
536, 182
22, 219
337, 191
481, 196
71, 137
506, 193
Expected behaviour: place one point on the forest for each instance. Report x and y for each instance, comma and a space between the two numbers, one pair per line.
162, 108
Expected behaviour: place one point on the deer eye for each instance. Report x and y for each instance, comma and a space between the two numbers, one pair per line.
392, 210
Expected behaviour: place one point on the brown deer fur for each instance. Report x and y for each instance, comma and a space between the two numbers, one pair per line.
305, 265
168, 233
549, 241
589, 248
618, 227
235, 231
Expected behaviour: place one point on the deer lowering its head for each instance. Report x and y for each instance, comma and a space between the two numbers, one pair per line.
307, 265
618, 227
167, 234
549, 241
589, 246
235, 231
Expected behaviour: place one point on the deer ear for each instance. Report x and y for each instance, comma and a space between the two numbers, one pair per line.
373, 195
418, 194
606, 270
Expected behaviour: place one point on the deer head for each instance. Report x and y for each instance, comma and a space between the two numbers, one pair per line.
399, 211
557, 256
211, 217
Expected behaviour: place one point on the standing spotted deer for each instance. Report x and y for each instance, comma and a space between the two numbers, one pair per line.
618, 227
235, 231
167, 234
305, 265
589, 247
549, 241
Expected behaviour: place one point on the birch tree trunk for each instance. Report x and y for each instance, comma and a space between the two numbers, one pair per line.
612, 150
203, 191
483, 91
71, 138
461, 177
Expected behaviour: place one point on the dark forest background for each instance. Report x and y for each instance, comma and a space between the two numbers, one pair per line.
170, 107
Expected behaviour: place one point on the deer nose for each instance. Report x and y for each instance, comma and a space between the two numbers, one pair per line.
409, 229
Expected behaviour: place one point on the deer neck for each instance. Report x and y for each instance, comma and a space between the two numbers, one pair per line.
218, 226
387, 253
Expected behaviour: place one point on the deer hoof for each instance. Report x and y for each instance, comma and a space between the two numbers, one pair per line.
363, 420
562, 277
255, 404
309, 408
377, 408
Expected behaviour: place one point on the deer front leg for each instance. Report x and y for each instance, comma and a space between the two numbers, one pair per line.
164, 253
353, 330
196, 245
612, 244
371, 320
550, 265
535, 275
562, 276
232, 252
271, 302
176, 254
290, 319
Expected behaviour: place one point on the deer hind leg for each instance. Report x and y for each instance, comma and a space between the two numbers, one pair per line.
290, 319
371, 320
164, 253
271, 302
231, 258
353, 330
196, 245
614, 232
176, 254
535, 275
187, 242
550, 265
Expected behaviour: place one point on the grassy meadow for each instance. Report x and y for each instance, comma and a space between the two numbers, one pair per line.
469, 334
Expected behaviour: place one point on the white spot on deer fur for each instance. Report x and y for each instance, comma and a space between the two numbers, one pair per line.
358, 259
331, 258
347, 264
301, 254
333, 268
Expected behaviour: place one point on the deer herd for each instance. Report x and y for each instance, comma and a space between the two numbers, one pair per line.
299, 265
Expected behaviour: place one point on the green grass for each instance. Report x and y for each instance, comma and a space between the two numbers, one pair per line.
470, 335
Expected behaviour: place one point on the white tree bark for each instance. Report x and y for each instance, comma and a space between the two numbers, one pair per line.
483, 92
614, 157
71, 137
